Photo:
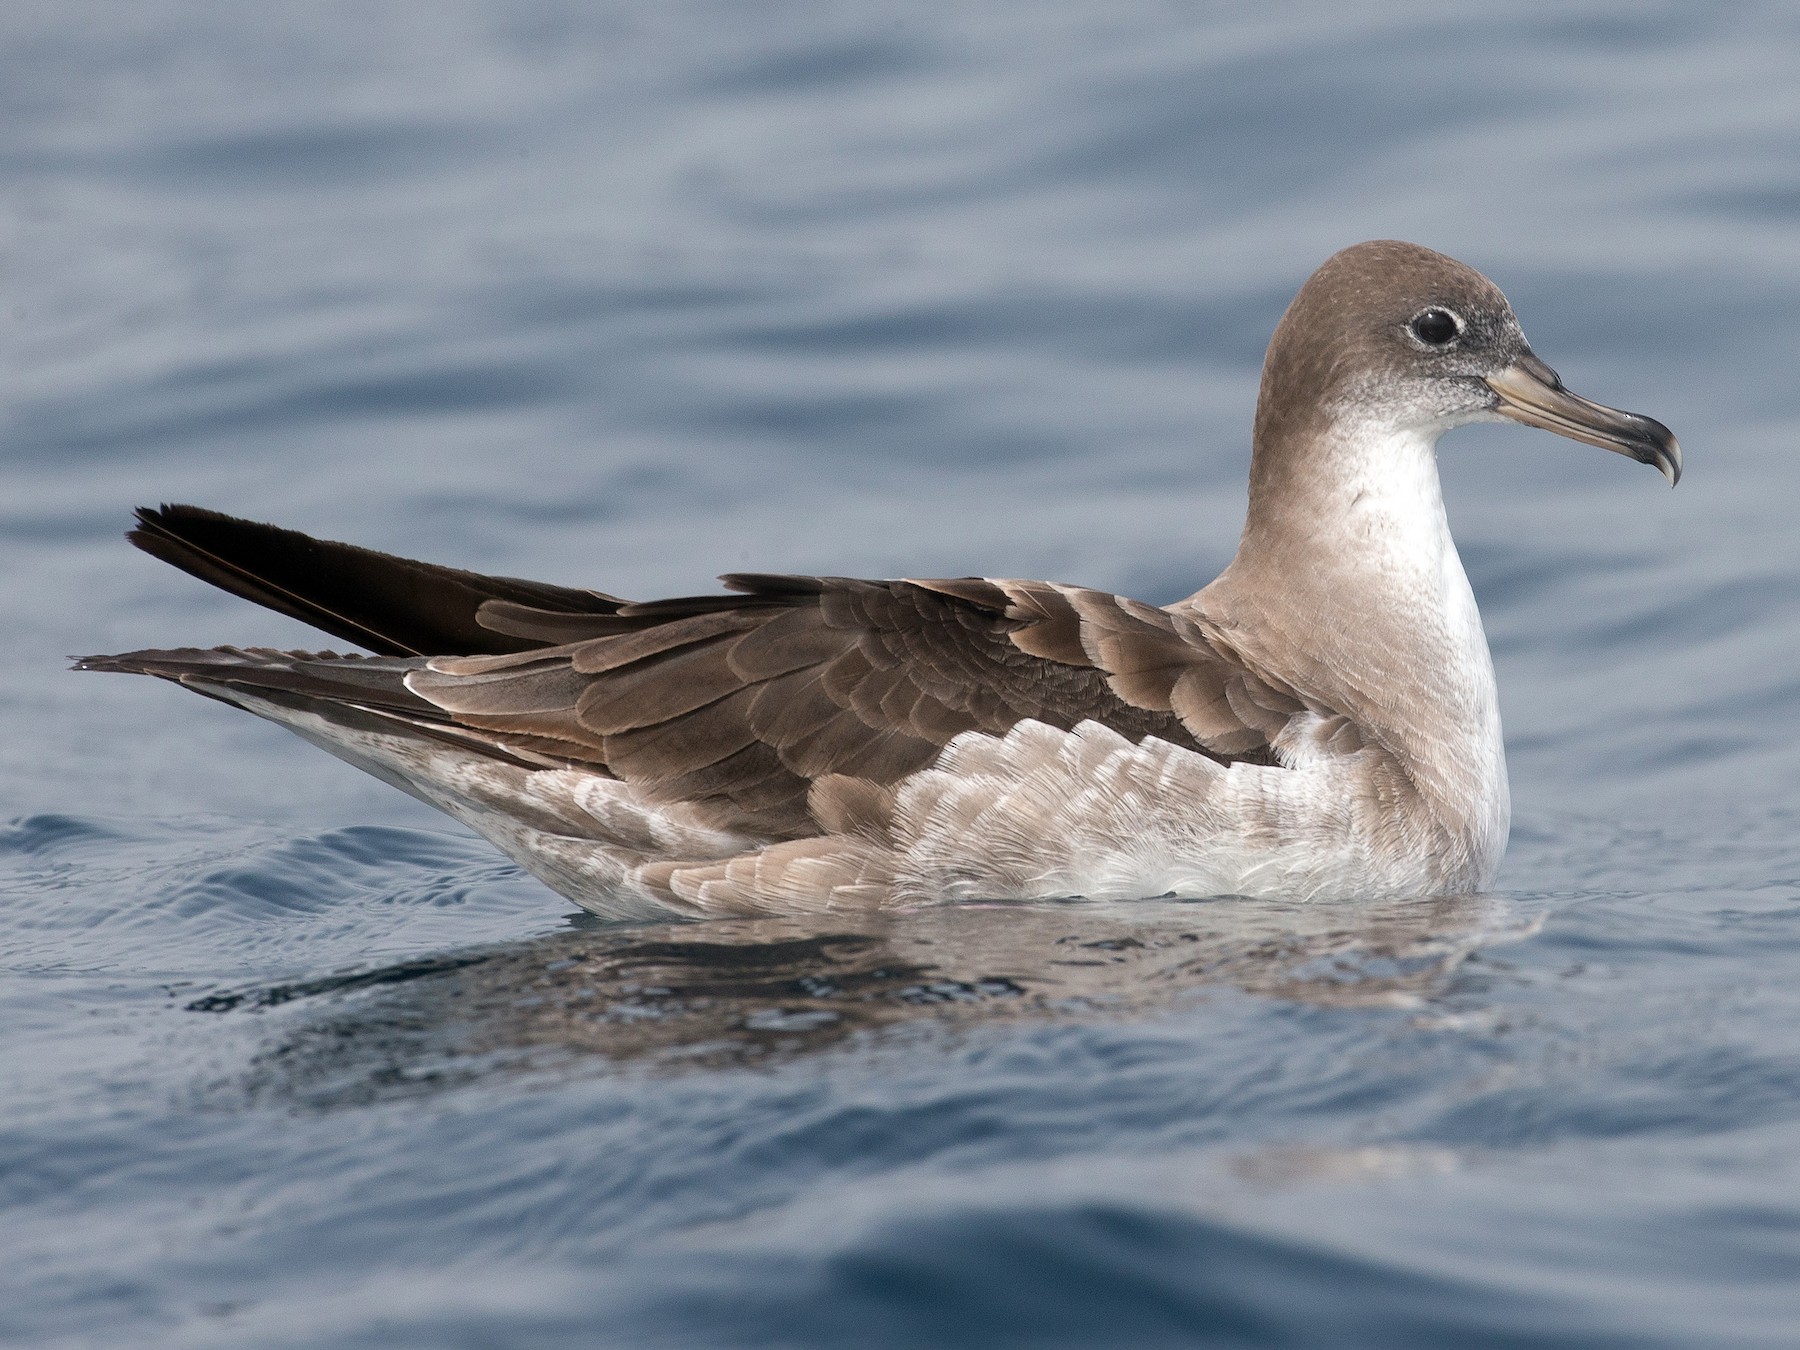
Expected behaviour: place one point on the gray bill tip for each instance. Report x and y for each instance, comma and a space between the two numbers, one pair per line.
1528, 391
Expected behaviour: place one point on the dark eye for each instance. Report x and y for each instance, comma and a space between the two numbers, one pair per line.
1435, 327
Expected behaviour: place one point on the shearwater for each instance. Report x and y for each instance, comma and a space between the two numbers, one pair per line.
1320, 721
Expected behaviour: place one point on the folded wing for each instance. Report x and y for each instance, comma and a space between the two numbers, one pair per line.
771, 708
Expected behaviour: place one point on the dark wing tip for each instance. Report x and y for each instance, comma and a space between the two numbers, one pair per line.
391, 605
157, 662
163, 518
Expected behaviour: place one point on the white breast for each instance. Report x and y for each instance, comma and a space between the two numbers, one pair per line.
1040, 813
1446, 713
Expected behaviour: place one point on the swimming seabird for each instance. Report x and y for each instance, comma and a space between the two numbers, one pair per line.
1320, 721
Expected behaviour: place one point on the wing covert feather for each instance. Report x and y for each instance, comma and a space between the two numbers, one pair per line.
746, 702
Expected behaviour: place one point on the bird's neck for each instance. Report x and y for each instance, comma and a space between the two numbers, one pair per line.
1364, 501
1347, 584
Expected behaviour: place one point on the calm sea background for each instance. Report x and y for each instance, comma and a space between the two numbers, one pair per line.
627, 295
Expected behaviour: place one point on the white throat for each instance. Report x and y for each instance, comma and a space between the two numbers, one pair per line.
1396, 510
1392, 501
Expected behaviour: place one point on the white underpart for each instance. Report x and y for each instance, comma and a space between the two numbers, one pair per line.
581, 834
1397, 526
1038, 813
1043, 813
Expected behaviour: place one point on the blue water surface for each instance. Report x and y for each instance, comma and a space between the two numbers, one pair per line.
626, 295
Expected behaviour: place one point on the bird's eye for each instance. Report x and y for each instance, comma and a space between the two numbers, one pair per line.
1435, 327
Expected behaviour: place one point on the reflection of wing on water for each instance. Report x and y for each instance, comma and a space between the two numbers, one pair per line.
752, 990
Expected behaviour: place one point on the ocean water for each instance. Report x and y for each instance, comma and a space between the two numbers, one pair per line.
627, 295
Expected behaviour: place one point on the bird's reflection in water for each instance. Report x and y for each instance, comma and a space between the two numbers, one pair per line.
757, 991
